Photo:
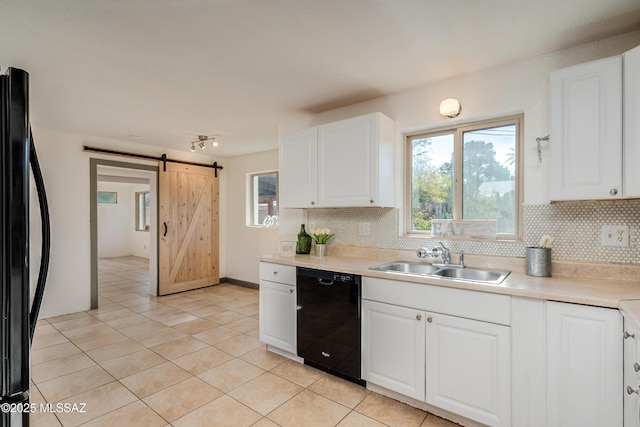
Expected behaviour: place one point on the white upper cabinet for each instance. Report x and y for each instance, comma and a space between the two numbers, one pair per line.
299, 169
595, 129
586, 131
348, 163
632, 123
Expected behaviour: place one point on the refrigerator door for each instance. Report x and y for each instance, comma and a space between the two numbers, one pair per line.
14, 239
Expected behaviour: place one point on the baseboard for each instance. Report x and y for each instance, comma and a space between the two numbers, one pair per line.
239, 282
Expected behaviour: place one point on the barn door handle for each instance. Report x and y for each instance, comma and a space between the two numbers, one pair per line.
165, 229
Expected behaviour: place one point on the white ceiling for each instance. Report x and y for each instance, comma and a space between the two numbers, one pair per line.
166, 70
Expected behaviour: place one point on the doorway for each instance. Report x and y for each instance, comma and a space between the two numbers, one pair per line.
124, 228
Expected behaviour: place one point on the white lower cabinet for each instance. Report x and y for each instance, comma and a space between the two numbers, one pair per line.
468, 368
584, 366
278, 306
460, 365
393, 348
631, 375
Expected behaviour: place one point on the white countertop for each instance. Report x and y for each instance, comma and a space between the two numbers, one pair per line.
596, 292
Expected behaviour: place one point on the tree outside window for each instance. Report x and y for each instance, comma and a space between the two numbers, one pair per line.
466, 173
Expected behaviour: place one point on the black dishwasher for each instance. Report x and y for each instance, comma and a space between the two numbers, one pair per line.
329, 321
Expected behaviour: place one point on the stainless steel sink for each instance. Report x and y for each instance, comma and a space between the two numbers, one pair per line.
407, 267
473, 274
493, 277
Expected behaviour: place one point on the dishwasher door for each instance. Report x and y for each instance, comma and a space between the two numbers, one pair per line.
328, 317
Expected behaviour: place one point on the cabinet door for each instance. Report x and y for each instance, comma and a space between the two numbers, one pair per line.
632, 123
298, 169
586, 131
584, 366
278, 315
469, 368
393, 348
347, 162
631, 375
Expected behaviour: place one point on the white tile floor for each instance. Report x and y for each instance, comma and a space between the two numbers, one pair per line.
190, 359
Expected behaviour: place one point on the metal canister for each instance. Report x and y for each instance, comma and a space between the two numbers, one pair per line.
538, 262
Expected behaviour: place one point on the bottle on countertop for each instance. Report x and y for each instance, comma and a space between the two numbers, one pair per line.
303, 245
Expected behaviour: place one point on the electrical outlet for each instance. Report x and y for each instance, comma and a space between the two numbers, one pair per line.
364, 228
615, 235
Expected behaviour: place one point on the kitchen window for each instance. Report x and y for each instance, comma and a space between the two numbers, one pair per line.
467, 172
263, 190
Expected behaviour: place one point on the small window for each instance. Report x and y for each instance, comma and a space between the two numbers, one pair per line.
143, 213
469, 172
264, 199
107, 197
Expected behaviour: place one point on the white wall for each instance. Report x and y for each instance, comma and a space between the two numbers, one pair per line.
117, 235
114, 222
520, 87
65, 168
246, 243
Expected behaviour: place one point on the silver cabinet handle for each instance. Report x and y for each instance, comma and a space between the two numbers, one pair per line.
418, 317
613, 191
429, 319
636, 367
631, 391
628, 335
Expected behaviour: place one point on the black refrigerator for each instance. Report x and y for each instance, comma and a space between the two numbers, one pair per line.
18, 303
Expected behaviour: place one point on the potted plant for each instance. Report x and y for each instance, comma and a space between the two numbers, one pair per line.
321, 236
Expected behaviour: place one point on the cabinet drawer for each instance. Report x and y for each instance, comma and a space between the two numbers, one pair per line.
278, 273
455, 302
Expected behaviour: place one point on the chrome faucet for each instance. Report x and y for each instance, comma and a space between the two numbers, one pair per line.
444, 253
441, 251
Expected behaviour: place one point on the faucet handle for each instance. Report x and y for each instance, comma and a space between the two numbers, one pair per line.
461, 264
422, 253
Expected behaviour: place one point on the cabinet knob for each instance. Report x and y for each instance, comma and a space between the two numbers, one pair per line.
290, 291
313, 203
628, 335
372, 201
418, 317
636, 367
275, 273
631, 391
613, 191
429, 319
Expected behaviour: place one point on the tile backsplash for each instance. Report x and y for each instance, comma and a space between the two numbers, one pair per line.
575, 227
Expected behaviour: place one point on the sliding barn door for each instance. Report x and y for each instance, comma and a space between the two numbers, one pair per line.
188, 220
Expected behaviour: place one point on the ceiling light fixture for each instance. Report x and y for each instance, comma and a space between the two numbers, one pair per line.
202, 140
450, 107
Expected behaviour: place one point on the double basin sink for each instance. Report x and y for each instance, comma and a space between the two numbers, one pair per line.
490, 277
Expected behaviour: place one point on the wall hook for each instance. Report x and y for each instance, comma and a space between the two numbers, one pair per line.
538, 141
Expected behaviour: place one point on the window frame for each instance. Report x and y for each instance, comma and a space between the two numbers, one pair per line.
144, 210
252, 206
458, 130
